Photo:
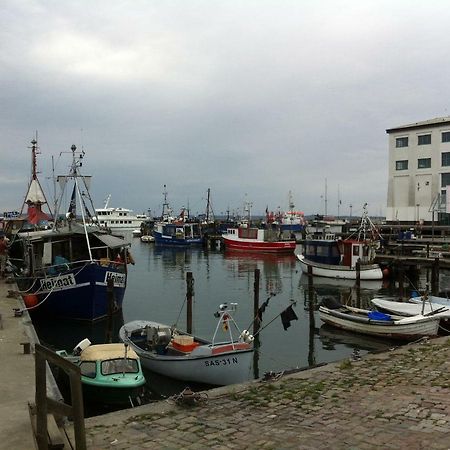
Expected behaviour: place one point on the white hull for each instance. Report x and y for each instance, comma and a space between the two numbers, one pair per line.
371, 272
220, 364
406, 329
411, 309
440, 301
221, 370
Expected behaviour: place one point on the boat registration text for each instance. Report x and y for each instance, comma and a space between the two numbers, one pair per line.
57, 283
222, 362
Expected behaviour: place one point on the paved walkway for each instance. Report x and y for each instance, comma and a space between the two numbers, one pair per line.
16, 376
399, 399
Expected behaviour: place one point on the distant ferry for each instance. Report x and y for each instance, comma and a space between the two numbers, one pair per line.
119, 218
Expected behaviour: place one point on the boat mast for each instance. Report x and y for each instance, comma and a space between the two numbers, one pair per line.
291, 206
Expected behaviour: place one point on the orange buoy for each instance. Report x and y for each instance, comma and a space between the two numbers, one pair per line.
30, 300
385, 272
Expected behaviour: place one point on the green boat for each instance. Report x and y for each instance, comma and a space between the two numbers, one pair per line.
111, 374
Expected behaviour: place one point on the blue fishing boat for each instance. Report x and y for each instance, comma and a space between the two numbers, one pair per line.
176, 232
65, 270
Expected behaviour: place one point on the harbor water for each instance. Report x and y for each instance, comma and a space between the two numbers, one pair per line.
157, 288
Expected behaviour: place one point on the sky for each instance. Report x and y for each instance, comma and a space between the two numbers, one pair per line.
251, 99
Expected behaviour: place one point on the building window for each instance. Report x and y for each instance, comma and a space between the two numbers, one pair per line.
401, 142
424, 139
424, 163
445, 159
401, 165
446, 136
445, 179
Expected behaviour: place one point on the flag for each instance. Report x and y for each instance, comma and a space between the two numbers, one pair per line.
73, 204
286, 316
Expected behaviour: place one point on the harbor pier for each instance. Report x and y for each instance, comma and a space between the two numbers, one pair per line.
16, 375
399, 399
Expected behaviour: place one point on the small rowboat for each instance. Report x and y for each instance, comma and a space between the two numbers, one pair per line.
375, 323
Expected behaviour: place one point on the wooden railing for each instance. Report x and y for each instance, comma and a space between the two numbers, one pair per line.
46, 405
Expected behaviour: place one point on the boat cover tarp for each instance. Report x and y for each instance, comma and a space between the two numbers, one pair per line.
377, 315
111, 241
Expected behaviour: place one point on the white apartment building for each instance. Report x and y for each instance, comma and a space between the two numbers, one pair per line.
419, 170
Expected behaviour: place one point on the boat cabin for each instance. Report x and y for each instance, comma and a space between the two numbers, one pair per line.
338, 252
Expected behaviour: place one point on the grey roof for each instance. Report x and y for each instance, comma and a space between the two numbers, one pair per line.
436, 122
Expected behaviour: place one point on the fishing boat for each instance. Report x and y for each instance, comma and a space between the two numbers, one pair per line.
375, 323
181, 356
111, 374
250, 239
290, 220
64, 270
176, 231
348, 258
178, 234
118, 218
412, 309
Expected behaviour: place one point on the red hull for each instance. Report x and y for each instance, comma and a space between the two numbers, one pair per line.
259, 246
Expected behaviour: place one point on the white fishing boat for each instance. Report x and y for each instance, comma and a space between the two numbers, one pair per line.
343, 258
178, 355
118, 218
375, 323
412, 309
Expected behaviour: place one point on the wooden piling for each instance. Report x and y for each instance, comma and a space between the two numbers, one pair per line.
189, 295
401, 279
435, 277
256, 323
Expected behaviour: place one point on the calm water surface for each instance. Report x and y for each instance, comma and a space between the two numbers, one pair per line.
157, 289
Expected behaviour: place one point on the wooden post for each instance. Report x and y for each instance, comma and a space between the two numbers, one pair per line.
41, 401
110, 296
401, 279
435, 277
310, 271
312, 323
358, 272
256, 323
189, 295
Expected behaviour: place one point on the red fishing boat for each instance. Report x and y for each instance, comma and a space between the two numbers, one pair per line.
249, 239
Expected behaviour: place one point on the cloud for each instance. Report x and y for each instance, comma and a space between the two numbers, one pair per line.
256, 97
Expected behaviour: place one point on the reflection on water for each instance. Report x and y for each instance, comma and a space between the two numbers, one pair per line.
156, 291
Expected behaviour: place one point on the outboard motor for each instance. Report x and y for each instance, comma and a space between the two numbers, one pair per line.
331, 303
158, 338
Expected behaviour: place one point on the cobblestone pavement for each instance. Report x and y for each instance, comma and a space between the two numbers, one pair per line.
398, 399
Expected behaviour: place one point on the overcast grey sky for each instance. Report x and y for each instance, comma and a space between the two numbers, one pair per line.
249, 98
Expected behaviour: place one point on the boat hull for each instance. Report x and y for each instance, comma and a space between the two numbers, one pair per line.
371, 272
253, 245
221, 370
118, 395
79, 293
220, 364
407, 330
161, 239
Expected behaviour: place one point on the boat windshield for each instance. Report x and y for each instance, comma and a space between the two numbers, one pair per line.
119, 365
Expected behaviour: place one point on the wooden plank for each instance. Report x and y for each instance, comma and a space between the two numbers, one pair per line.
55, 440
